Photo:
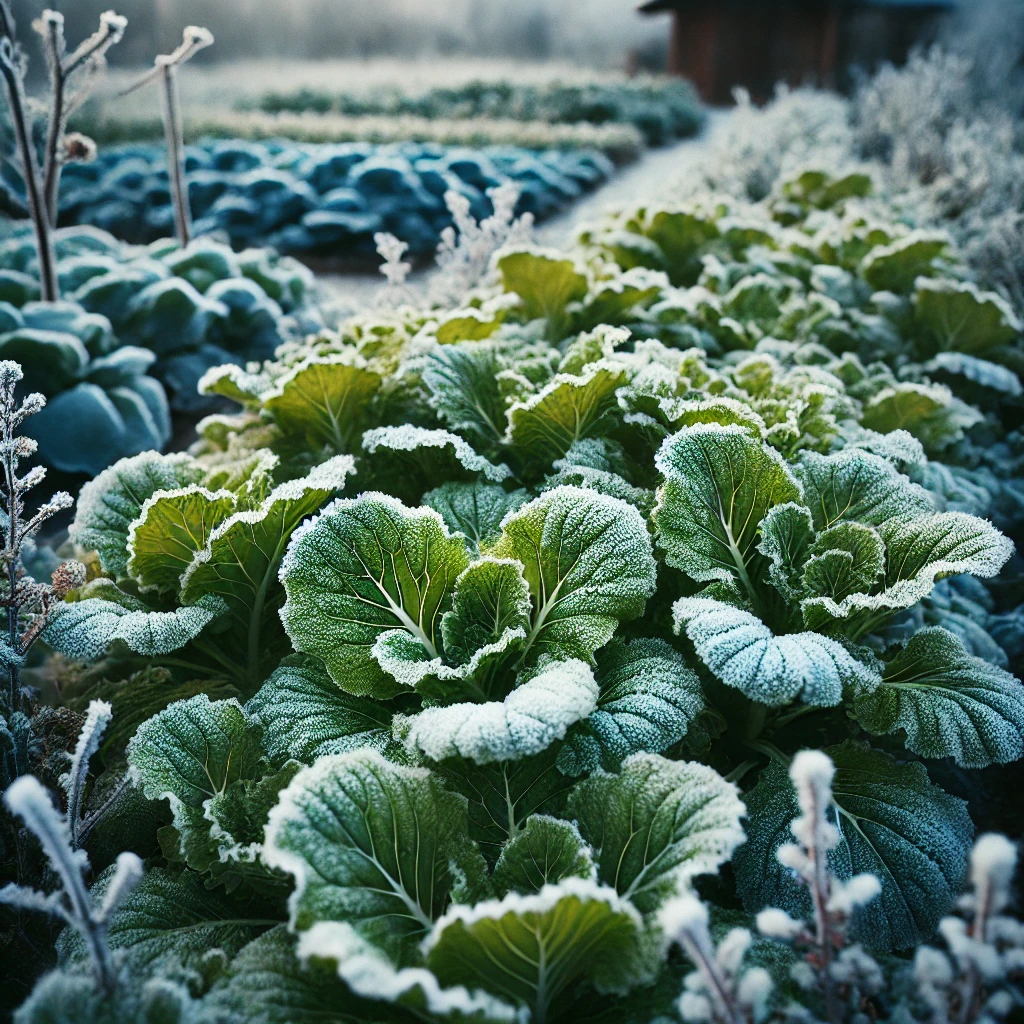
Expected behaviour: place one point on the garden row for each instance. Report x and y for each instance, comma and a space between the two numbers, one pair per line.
327, 200
662, 109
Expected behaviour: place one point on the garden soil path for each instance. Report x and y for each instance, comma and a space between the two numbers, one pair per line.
651, 175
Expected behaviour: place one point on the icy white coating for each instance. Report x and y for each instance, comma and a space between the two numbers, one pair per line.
407, 438
583, 889
369, 973
97, 718
527, 722
774, 670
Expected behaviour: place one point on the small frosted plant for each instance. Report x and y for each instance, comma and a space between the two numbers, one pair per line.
979, 977
393, 267
466, 247
831, 967
718, 990
165, 70
72, 77
29, 800
30, 605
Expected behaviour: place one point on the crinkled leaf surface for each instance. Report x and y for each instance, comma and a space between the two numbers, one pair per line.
947, 703
720, 482
530, 950
305, 715
774, 670
892, 823
474, 509
372, 844
657, 825
110, 503
787, 532
362, 567
543, 853
527, 722
649, 698
588, 560
172, 526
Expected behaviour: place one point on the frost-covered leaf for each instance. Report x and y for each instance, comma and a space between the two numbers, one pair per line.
109, 504
648, 700
503, 795
172, 919
958, 317
543, 853
720, 482
545, 281
267, 984
416, 991
172, 526
787, 532
919, 552
844, 558
534, 950
774, 670
854, 485
588, 560
982, 372
893, 823
408, 460
947, 703
373, 844
527, 722
895, 266
363, 567
928, 411
545, 425
193, 750
305, 715
240, 562
324, 400
86, 630
688, 816
474, 509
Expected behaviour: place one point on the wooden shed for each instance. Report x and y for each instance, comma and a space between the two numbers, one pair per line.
719, 44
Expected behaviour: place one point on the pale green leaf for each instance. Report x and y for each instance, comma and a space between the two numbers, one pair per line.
588, 561
109, 504
535, 950
958, 317
545, 282
658, 825
743, 653
172, 526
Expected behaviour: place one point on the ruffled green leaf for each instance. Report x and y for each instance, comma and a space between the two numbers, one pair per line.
306, 716
720, 483
543, 853
743, 653
787, 532
363, 567
957, 316
688, 815
535, 950
545, 282
172, 526
588, 561
893, 823
895, 267
648, 700
373, 844
109, 504
947, 703
474, 509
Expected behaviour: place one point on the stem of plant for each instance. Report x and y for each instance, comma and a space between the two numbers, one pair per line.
54, 40
48, 287
175, 153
